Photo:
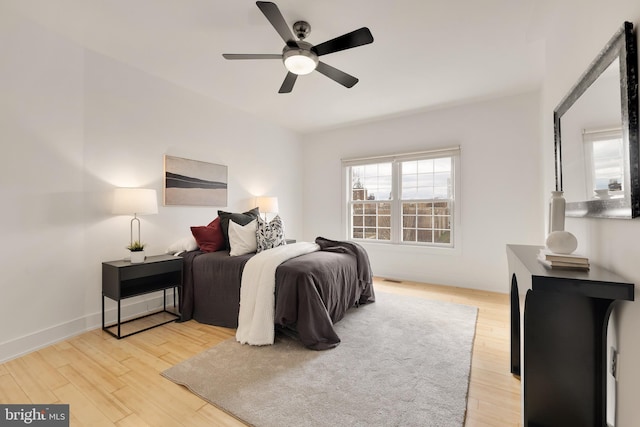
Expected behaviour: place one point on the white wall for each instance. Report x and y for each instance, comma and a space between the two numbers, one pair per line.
577, 31
41, 180
74, 125
500, 189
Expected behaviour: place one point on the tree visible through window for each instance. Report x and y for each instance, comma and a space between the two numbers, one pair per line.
404, 199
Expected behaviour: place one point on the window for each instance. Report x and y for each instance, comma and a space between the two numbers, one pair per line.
403, 199
604, 162
370, 201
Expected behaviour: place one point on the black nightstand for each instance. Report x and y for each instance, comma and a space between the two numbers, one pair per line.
122, 279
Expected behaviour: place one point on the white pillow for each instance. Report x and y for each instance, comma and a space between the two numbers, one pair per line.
185, 244
242, 238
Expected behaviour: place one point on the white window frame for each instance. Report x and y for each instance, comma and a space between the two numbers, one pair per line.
396, 202
589, 138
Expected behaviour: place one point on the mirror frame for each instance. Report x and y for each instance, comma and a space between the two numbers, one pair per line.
622, 46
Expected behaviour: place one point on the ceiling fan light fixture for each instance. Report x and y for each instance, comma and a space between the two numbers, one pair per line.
300, 61
300, 57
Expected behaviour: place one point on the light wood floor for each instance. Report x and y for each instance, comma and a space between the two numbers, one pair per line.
111, 382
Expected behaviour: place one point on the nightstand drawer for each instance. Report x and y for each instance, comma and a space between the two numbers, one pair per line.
135, 271
121, 279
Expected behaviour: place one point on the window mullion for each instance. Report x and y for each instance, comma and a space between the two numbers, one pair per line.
396, 205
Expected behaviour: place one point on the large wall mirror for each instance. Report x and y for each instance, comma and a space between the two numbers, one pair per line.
596, 135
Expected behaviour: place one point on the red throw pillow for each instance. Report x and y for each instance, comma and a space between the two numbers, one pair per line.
209, 238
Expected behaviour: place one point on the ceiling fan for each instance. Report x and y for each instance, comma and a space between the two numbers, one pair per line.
301, 57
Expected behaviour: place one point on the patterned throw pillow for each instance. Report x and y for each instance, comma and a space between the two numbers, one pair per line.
271, 234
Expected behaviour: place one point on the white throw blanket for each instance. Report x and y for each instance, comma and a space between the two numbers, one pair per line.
257, 292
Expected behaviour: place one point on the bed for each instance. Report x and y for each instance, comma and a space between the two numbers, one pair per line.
312, 291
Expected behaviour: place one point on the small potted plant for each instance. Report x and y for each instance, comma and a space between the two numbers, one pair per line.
137, 252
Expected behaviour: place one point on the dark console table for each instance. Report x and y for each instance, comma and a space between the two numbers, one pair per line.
559, 338
122, 279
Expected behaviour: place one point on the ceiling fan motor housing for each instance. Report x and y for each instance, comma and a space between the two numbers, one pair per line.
301, 29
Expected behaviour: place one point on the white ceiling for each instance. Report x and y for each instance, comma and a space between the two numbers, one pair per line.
426, 53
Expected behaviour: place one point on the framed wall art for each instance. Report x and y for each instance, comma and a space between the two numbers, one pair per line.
194, 183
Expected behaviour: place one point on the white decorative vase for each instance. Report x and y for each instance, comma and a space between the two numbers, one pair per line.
557, 206
562, 242
137, 257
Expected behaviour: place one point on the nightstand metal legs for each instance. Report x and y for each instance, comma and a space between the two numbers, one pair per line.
175, 316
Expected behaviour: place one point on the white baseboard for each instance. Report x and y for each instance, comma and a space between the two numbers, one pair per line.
46, 337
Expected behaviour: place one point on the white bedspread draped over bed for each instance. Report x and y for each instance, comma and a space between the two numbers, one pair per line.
257, 292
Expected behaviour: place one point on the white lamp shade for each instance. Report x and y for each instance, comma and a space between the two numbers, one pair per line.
135, 201
267, 204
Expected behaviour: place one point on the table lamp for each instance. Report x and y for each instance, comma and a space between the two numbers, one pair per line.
267, 205
135, 201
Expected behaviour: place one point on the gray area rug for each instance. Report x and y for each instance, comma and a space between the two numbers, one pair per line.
403, 361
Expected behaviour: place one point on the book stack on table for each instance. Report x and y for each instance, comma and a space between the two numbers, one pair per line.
564, 261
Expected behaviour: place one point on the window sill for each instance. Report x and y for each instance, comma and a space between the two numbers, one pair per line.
408, 248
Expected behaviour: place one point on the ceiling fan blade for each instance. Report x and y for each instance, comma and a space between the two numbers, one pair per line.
287, 84
341, 77
355, 38
271, 11
252, 56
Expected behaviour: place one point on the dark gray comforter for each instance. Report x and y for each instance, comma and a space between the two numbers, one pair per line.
313, 291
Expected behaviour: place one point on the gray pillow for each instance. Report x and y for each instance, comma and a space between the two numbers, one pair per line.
239, 218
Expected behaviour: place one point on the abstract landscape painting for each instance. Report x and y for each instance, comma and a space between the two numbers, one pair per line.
194, 183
